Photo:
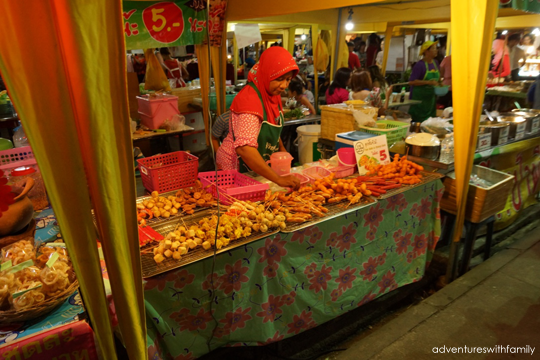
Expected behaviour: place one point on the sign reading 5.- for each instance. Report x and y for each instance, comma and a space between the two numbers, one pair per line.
164, 21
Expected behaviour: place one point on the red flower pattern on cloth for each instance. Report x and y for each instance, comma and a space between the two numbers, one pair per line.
180, 279
370, 269
424, 209
370, 235
270, 270
402, 241
271, 308
332, 240
310, 270
345, 240
335, 294
367, 298
439, 194
234, 277
288, 299
237, 319
396, 202
346, 278
432, 240
410, 257
302, 234
154, 352
273, 250
320, 279
387, 282
419, 245
301, 323
381, 259
414, 210
316, 235
222, 331
192, 322
374, 216
276, 337
6, 196
211, 278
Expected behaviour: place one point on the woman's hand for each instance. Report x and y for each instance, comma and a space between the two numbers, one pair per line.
289, 181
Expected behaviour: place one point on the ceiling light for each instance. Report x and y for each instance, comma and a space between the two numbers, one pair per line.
505, 32
536, 32
233, 27
349, 26
229, 56
303, 37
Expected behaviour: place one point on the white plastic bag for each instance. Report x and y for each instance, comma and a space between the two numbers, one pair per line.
363, 119
437, 126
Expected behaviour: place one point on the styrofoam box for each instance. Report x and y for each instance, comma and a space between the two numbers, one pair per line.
195, 120
195, 142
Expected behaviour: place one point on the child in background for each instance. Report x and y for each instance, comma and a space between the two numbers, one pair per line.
296, 90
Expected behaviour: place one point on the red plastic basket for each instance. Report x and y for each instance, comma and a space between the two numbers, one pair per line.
17, 157
169, 172
343, 171
234, 184
316, 173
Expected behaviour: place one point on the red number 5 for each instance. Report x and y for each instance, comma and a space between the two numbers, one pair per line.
382, 155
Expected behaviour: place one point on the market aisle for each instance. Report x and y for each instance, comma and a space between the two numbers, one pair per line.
497, 303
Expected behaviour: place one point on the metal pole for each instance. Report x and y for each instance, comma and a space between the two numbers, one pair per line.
336, 52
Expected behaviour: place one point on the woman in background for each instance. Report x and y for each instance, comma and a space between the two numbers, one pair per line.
361, 85
337, 92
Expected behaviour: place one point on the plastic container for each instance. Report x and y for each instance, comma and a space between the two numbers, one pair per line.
346, 156
347, 139
154, 110
343, 171
303, 179
169, 172
19, 137
395, 130
307, 136
280, 162
447, 149
231, 183
38, 194
13, 158
316, 173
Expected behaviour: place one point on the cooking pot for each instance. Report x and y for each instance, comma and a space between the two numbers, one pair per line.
498, 130
423, 145
529, 114
514, 121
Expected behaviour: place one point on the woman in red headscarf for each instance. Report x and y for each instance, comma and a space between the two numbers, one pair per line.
257, 120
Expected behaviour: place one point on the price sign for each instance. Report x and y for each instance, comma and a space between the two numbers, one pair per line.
520, 130
535, 126
484, 142
503, 137
164, 21
372, 151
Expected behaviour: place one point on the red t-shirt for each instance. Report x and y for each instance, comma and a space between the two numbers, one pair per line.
354, 61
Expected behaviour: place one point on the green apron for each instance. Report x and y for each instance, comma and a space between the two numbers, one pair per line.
268, 139
426, 94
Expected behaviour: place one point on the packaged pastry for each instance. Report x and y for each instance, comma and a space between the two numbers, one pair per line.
28, 295
45, 252
55, 276
19, 252
10, 281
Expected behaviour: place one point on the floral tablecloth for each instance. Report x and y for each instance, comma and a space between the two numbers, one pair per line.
279, 286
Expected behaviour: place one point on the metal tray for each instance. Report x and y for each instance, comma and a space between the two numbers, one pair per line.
427, 178
334, 210
151, 268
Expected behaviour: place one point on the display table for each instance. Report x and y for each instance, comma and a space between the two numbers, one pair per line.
310, 119
407, 102
282, 285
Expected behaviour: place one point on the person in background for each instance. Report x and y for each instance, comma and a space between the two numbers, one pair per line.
307, 87
371, 51
424, 77
175, 70
516, 54
361, 85
296, 90
380, 55
441, 53
220, 130
501, 58
378, 79
139, 65
446, 73
354, 62
310, 68
361, 53
337, 92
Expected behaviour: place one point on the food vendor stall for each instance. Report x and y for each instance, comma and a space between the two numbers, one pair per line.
380, 230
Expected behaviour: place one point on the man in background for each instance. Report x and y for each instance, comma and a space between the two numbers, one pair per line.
354, 62
516, 54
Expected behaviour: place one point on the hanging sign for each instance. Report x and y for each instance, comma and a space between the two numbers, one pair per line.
149, 24
523, 5
247, 34
372, 151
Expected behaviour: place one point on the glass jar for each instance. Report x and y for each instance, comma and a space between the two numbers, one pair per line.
38, 194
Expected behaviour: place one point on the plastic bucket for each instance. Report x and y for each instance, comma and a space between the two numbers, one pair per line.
307, 136
346, 156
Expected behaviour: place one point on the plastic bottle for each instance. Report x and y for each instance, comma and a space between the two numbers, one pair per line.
447, 149
402, 98
19, 137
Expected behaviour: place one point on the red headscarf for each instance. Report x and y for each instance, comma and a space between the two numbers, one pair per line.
274, 62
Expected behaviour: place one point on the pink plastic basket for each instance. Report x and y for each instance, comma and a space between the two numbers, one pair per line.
343, 171
155, 110
234, 184
169, 172
17, 157
316, 173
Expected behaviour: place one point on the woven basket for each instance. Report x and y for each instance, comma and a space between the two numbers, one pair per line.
12, 316
339, 119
